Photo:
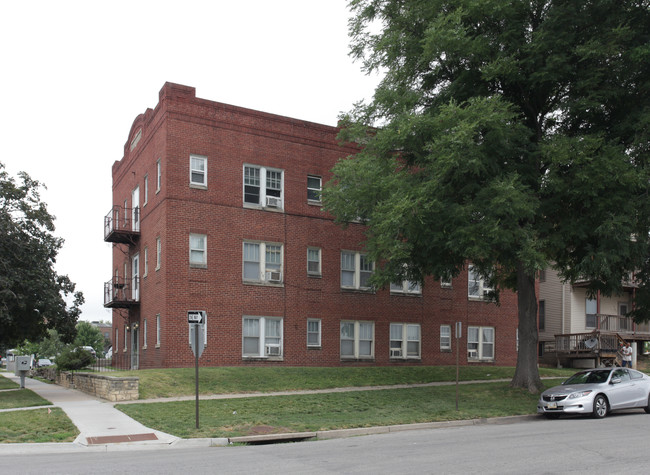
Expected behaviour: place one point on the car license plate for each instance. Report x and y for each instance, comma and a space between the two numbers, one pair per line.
551, 405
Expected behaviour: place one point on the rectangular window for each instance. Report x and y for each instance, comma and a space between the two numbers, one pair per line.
356, 270
146, 190
117, 340
126, 337
146, 262
198, 250
313, 332
404, 340
591, 311
158, 253
480, 343
198, 171
158, 331
262, 337
406, 287
445, 337
313, 261
262, 262
144, 334
357, 340
263, 186
314, 188
477, 285
158, 175
541, 313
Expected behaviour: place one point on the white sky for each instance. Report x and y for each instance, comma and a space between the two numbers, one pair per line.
75, 74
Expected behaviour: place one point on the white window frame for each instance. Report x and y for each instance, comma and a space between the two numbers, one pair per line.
478, 347
146, 190
400, 335
267, 344
126, 337
314, 330
158, 253
144, 334
311, 190
196, 251
117, 340
311, 260
266, 270
406, 287
146, 262
158, 175
477, 287
445, 337
200, 159
591, 318
349, 258
358, 352
262, 182
158, 330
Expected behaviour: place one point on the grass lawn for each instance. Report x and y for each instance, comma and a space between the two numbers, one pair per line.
36, 425
277, 414
21, 398
172, 382
6, 383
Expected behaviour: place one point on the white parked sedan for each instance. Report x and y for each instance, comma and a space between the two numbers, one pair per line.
597, 392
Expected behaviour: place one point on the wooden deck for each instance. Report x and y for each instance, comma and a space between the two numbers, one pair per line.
601, 346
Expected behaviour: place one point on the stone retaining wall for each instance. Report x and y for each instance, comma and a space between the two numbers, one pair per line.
111, 388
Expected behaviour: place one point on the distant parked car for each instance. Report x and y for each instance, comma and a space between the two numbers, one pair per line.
597, 392
44, 362
90, 349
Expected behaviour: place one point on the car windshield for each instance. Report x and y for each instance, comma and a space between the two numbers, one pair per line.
589, 377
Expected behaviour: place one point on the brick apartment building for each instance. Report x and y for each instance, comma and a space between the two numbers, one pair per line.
216, 208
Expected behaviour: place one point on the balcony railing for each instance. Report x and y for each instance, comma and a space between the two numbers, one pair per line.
122, 293
122, 225
593, 342
616, 323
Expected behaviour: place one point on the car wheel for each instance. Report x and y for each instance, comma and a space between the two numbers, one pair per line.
647, 408
601, 406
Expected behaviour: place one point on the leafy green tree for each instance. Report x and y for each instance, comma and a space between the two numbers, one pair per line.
507, 133
73, 359
89, 335
51, 345
32, 295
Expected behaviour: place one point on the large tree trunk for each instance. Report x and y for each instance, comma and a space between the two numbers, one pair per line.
527, 374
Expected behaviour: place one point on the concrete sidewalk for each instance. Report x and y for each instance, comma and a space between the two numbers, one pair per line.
100, 424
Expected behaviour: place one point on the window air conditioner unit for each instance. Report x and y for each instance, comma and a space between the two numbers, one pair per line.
472, 354
273, 202
396, 353
273, 276
273, 350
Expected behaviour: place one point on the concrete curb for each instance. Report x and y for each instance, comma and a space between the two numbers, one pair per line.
72, 447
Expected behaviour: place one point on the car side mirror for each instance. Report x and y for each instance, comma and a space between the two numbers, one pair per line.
615, 380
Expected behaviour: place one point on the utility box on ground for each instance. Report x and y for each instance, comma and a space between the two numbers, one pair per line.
22, 367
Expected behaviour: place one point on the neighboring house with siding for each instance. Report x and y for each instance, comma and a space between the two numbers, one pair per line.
569, 320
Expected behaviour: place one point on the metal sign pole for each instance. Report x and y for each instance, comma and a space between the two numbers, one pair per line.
196, 370
458, 333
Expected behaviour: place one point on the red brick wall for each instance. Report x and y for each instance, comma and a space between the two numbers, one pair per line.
229, 137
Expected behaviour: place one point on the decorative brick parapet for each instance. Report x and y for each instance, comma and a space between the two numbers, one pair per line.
111, 388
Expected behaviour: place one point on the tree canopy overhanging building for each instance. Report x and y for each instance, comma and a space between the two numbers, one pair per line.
32, 294
510, 134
